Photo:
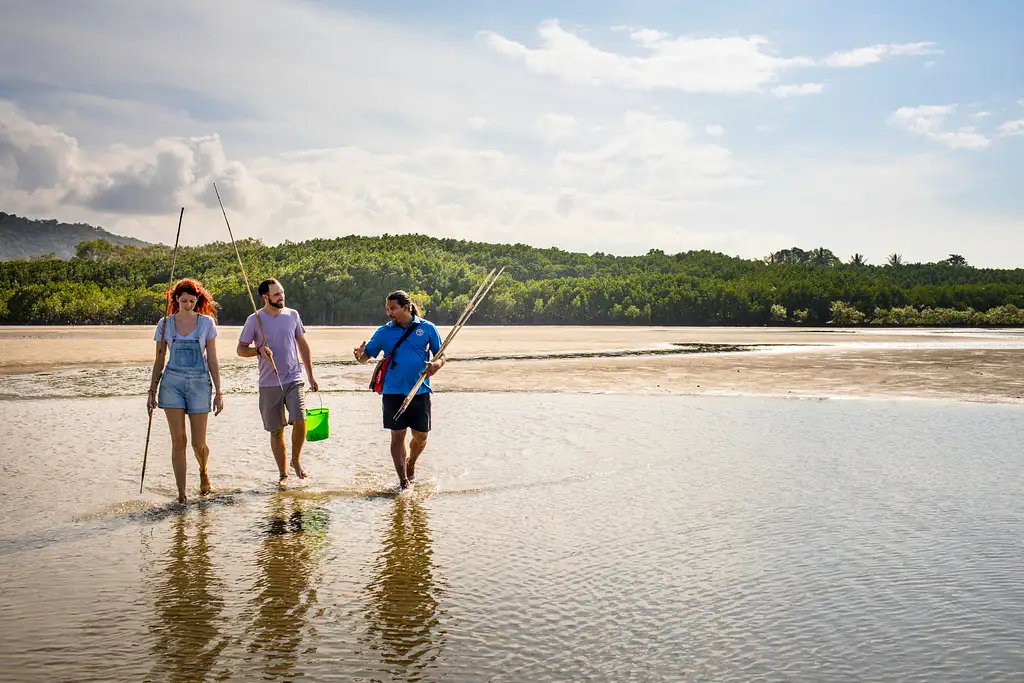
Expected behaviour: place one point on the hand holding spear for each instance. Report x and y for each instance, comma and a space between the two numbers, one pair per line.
151, 402
471, 307
248, 290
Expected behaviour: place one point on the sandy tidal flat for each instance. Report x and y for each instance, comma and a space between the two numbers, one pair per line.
979, 365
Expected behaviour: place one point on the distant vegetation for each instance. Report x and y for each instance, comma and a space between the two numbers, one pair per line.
23, 238
344, 281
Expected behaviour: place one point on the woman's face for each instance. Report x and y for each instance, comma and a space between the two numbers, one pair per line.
187, 302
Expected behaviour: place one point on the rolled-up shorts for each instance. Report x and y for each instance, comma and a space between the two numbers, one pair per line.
192, 391
416, 417
273, 403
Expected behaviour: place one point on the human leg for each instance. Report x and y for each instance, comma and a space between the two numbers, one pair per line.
416, 446
418, 419
398, 455
179, 443
298, 439
198, 422
295, 401
271, 404
277, 446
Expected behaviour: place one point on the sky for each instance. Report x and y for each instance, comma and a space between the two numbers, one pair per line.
740, 126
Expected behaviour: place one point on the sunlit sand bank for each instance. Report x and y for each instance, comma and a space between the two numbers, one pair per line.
957, 364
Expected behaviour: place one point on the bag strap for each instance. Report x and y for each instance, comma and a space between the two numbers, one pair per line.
401, 339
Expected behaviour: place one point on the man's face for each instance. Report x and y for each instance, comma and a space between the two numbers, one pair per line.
400, 315
275, 296
186, 301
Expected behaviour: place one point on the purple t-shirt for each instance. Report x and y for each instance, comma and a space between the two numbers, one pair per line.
282, 331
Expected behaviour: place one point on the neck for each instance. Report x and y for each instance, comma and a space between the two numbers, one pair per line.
271, 310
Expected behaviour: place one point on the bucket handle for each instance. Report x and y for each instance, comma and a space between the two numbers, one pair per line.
321, 399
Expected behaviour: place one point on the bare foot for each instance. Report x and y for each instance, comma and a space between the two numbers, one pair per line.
410, 468
299, 472
182, 499
204, 482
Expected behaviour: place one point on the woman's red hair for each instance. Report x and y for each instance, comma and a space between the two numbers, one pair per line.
205, 305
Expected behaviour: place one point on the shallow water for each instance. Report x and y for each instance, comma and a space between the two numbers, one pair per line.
551, 538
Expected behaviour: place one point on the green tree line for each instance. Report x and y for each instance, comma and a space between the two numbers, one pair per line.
344, 281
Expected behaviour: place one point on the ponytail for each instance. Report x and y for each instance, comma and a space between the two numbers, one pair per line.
401, 297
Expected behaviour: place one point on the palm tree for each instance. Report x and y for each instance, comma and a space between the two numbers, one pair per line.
895, 260
858, 260
823, 257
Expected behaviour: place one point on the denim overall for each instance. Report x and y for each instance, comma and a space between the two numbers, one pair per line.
186, 380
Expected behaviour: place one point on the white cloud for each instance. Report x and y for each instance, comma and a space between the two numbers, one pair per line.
33, 157
873, 54
355, 126
721, 65
40, 162
928, 121
1012, 128
797, 90
715, 65
644, 181
557, 127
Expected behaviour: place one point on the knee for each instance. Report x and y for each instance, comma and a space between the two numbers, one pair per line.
277, 434
419, 438
179, 441
201, 450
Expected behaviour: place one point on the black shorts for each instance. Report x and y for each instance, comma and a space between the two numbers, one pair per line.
415, 417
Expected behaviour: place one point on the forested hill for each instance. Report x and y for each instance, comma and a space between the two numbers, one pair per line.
23, 238
345, 281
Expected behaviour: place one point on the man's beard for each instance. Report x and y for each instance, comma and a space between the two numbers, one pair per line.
277, 304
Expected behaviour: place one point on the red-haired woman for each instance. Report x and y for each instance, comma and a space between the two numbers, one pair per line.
185, 385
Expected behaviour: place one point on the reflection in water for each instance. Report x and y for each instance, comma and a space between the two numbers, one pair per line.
403, 608
295, 536
187, 642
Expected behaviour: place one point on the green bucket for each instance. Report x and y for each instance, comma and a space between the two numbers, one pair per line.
318, 425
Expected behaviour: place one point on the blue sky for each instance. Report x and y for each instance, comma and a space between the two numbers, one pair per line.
740, 126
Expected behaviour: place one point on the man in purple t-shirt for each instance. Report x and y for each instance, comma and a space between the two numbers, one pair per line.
285, 344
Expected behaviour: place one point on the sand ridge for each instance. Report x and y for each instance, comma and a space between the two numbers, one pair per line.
981, 365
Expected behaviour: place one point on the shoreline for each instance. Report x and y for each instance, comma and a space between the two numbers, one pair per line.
725, 361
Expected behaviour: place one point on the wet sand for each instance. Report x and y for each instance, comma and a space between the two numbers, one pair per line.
973, 365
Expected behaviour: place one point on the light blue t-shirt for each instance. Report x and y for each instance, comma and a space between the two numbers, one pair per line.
167, 330
411, 357
282, 331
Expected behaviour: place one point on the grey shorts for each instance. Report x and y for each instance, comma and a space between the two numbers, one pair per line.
273, 403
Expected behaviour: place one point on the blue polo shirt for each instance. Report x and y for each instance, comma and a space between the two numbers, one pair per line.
411, 357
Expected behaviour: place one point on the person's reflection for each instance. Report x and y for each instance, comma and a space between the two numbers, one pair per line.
187, 641
403, 607
295, 534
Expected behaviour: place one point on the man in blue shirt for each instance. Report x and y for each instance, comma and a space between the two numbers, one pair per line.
416, 353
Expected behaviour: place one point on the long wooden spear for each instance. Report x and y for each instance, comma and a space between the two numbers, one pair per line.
248, 290
471, 307
167, 312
